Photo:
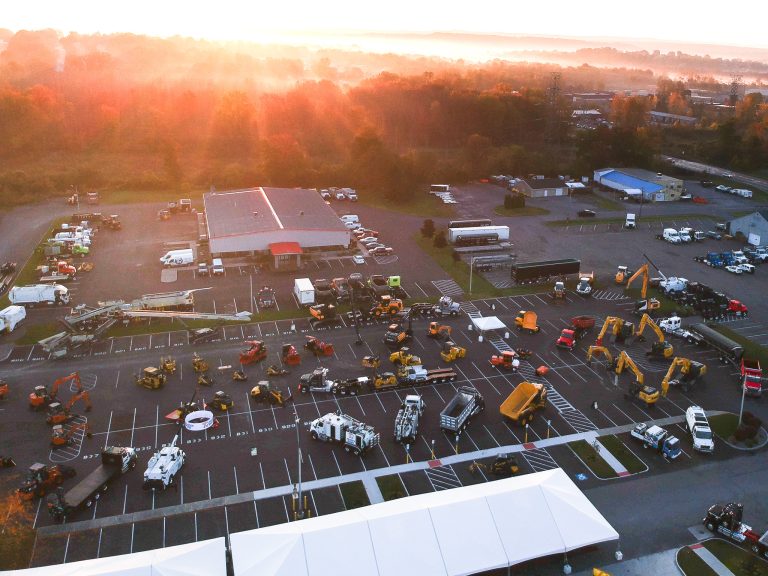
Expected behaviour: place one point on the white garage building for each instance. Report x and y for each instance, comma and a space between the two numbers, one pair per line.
282, 222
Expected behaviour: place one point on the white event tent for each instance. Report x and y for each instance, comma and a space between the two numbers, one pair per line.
461, 531
206, 558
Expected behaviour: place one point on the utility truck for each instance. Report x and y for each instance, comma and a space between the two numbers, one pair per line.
10, 317
33, 294
697, 424
115, 461
407, 419
318, 381
164, 466
456, 415
657, 438
356, 437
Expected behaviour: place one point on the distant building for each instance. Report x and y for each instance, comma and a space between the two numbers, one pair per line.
754, 227
593, 100
283, 223
541, 187
666, 119
641, 184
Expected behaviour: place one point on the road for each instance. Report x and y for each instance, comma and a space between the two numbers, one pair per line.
708, 170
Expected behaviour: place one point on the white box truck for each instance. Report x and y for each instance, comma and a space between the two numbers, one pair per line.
10, 317
630, 222
39, 294
304, 291
177, 257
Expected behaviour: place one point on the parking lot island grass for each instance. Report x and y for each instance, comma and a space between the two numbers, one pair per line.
751, 349
632, 463
524, 211
724, 425
741, 562
644, 219
354, 495
420, 204
391, 487
691, 565
592, 459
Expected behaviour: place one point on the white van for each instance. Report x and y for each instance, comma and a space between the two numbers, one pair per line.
349, 218
671, 235
177, 257
218, 267
630, 221
685, 235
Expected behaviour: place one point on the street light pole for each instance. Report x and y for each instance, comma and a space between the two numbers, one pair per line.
471, 266
300, 502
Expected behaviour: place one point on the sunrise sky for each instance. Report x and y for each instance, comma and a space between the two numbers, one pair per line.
681, 20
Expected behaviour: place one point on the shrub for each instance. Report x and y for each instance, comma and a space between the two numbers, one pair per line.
456, 256
751, 420
439, 240
745, 432
428, 228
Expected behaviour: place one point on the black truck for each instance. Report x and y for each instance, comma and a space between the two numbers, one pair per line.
533, 272
115, 461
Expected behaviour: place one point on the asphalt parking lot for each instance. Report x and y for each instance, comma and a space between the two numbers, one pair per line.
254, 447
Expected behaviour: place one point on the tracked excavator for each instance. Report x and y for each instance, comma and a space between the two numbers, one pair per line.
689, 372
58, 414
40, 398
660, 349
645, 304
647, 394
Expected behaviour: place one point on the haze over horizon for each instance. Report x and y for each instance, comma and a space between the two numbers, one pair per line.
335, 22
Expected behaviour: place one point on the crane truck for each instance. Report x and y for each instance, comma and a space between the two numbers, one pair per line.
460, 409
164, 466
115, 461
407, 419
318, 381
356, 437
726, 519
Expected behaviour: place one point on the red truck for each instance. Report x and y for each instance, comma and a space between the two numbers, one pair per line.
751, 377
580, 325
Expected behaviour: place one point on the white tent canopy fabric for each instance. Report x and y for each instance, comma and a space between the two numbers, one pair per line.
488, 323
206, 558
453, 532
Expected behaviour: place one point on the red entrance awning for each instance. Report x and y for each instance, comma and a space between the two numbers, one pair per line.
281, 248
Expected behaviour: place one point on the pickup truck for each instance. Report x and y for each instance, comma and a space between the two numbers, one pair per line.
115, 461
697, 424
460, 409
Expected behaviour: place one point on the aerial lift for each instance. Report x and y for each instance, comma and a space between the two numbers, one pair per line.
660, 349
645, 304
690, 371
619, 329
40, 398
58, 414
637, 389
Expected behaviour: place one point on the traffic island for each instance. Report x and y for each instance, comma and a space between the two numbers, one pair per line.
718, 557
623, 454
354, 495
750, 436
592, 459
391, 487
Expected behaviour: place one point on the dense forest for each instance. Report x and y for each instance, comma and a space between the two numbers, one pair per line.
135, 112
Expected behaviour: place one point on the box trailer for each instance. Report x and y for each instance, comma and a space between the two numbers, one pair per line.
532, 272
304, 291
10, 317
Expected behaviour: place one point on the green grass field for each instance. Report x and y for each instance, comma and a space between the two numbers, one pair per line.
391, 487
623, 454
592, 459
354, 495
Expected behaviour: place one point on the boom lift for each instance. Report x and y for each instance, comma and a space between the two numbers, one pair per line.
660, 349
638, 389
40, 398
644, 304
690, 372
58, 414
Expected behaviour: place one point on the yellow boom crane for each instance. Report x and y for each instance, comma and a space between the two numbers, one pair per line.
660, 349
638, 389
645, 304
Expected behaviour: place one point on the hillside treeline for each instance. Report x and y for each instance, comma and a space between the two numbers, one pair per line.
133, 112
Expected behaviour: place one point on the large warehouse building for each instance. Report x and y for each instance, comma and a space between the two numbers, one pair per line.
754, 227
641, 184
281, 222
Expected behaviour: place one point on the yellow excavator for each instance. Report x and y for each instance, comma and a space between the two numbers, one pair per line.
660, 349
690, 371
638, 389
595, 350
645, 304
619, 329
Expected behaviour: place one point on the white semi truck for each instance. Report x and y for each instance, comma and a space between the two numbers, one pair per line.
33, 294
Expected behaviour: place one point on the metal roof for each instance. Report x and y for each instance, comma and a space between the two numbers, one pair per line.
241, 212
631, 182
542, 183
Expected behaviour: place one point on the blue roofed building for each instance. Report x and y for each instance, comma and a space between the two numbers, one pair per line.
641, 184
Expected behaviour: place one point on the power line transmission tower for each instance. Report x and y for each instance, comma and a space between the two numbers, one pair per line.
735, 88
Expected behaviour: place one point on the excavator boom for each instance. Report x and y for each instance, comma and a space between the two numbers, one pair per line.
642, 271
625, 361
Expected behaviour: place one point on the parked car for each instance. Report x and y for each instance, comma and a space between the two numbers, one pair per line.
714, 235
382, 251
736, 269
202, 269
368, 240
586, 214
340, 196
357, 259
